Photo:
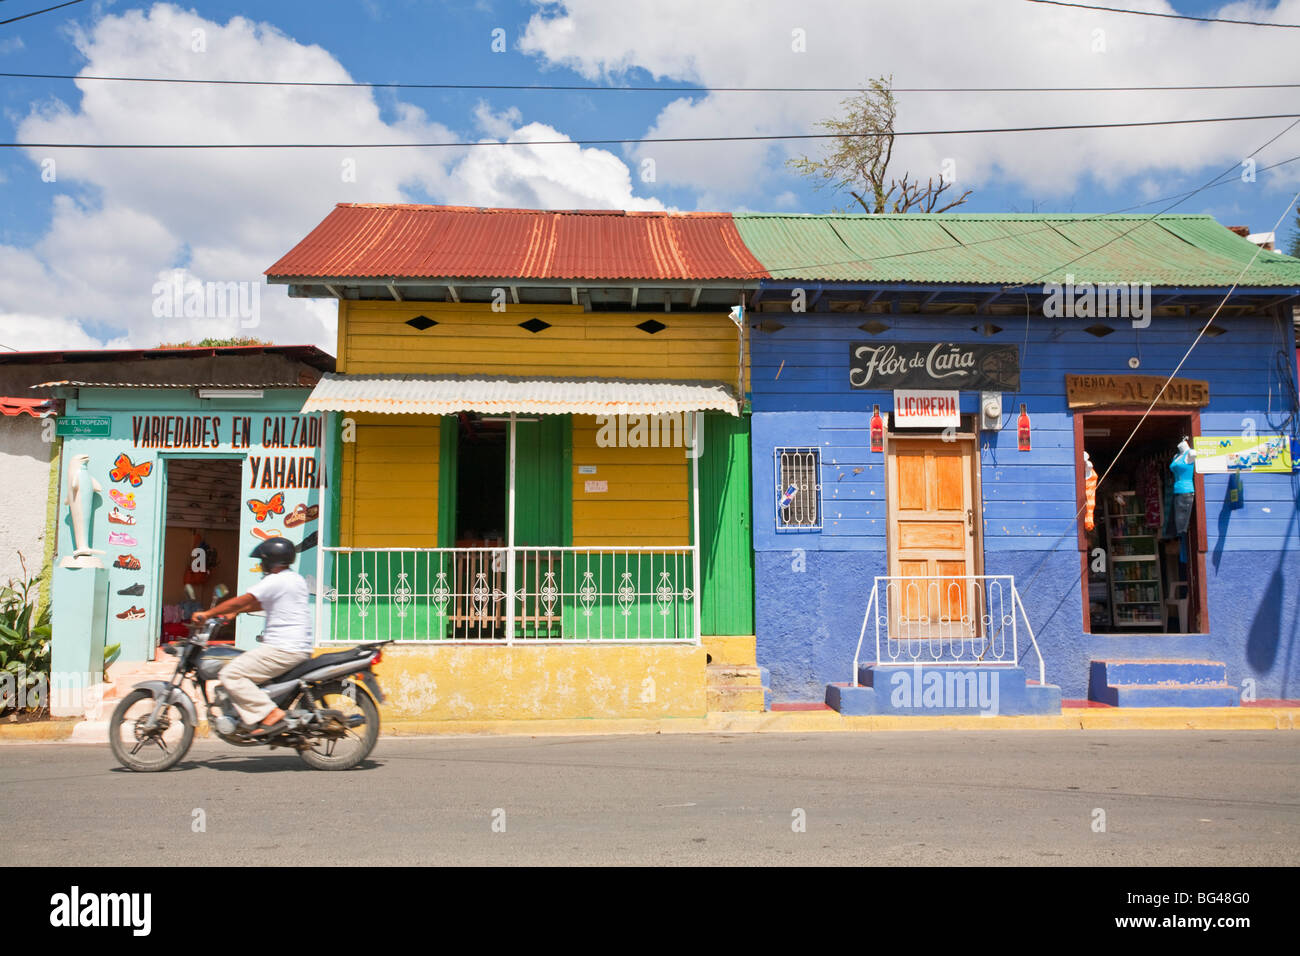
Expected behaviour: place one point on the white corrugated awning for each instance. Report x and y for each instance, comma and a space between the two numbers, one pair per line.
488, 395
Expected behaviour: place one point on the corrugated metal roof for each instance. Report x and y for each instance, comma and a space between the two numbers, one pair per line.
35, 407
457, 242
1009, 249
495, 395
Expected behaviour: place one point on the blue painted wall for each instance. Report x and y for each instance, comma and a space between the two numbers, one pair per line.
808, 620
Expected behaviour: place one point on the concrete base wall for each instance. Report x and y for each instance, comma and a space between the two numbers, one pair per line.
542, 682
25, 464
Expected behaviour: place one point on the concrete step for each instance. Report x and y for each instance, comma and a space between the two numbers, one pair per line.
735, 698
1175, 695
1159, 671
748, 675
731, 649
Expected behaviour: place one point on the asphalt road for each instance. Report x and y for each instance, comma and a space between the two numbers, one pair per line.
1174, 798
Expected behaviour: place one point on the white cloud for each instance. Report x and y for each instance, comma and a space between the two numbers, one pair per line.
123, 218
940, 43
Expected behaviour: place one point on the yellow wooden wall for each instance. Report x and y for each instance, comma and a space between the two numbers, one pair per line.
375, 339
648, 499
389, 495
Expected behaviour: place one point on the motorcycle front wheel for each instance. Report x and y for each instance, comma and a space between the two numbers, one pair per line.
344, 749
143, 750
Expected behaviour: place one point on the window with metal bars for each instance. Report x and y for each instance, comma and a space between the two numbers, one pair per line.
798, 489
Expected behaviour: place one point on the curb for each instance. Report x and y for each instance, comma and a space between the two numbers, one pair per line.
1146, 718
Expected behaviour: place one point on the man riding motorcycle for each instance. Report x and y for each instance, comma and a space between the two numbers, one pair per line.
286, 639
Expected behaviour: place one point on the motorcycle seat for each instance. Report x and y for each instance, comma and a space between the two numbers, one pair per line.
324, 660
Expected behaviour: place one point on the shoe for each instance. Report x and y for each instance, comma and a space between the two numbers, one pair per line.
266, 533
132, 613
117, 516
256, 569
307, 543
301, 515
127, 500
128, 562
121, 537
135, 590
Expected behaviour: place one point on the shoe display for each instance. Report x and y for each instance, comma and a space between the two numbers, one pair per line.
121, 537
301, 515
127, 500
128, 562
135, 590
118, 516
307, 543
265, 533
132, 613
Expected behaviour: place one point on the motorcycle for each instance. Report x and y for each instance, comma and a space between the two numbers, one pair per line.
330, 703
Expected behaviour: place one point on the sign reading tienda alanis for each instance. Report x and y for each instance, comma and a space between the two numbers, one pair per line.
949, 365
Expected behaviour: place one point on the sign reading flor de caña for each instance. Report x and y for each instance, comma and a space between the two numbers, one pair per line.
955, 365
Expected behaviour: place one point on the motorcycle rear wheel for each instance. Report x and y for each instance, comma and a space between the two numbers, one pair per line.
149, 752
354, 745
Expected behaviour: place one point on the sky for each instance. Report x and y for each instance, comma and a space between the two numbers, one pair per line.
87, 236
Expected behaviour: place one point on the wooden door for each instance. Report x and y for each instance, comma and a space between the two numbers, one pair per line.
932, 538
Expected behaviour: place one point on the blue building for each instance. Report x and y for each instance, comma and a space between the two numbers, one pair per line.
964, 534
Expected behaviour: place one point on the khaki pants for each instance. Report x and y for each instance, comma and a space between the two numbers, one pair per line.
241, 676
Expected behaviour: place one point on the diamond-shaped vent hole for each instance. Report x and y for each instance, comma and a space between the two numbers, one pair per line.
1101, 331
421, 322
988, 328
534, 325
651, 326
770, 325
874, 327
1214, 331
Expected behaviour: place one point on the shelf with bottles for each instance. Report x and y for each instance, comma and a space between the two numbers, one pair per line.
1124, 616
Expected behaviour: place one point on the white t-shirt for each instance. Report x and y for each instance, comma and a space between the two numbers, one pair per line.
283, 596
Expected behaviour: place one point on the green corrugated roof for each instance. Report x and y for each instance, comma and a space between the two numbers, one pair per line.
990, 248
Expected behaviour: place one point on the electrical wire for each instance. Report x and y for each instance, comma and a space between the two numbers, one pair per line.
578, 88
631, 141
36, 13
1167, 16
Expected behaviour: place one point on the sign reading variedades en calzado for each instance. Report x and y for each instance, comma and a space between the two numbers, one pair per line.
932, 364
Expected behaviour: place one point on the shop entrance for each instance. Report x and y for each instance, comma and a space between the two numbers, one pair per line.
934, 553
201, 548
1141, 572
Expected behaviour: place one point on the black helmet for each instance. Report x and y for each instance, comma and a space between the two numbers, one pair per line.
274, 552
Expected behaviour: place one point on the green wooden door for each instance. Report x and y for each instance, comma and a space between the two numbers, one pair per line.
726, 543
543, 519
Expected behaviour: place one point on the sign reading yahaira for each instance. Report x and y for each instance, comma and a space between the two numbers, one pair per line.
925, 408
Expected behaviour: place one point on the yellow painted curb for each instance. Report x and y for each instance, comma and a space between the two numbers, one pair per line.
41, 730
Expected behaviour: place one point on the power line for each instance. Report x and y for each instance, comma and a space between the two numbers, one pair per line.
36, 13
577, 88
653, 139
1168, 16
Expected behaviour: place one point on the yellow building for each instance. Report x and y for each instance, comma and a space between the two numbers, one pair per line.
543, 491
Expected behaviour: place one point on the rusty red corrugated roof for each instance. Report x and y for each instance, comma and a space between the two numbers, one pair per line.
35, 407
461, 242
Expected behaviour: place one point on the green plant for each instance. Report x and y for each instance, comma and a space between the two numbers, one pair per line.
110, 655
24, 643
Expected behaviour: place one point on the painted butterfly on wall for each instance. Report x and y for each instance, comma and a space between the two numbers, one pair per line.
261, 509
124, 470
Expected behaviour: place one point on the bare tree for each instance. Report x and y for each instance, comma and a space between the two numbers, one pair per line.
857, 161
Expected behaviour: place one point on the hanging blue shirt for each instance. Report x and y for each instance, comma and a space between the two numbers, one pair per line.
1183, 469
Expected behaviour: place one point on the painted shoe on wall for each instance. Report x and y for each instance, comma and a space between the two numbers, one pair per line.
307, 543
265, 533
127, 500
135, 590
122, 538
128, 562
132, 613
301, 515
118, 516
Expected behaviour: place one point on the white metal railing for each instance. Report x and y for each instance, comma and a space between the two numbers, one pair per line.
970, 619
627, 594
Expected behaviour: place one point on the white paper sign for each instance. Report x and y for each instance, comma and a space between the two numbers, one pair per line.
925, 408
586, 469
595, 487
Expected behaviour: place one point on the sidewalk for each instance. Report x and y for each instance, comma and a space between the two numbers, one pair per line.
786, 721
